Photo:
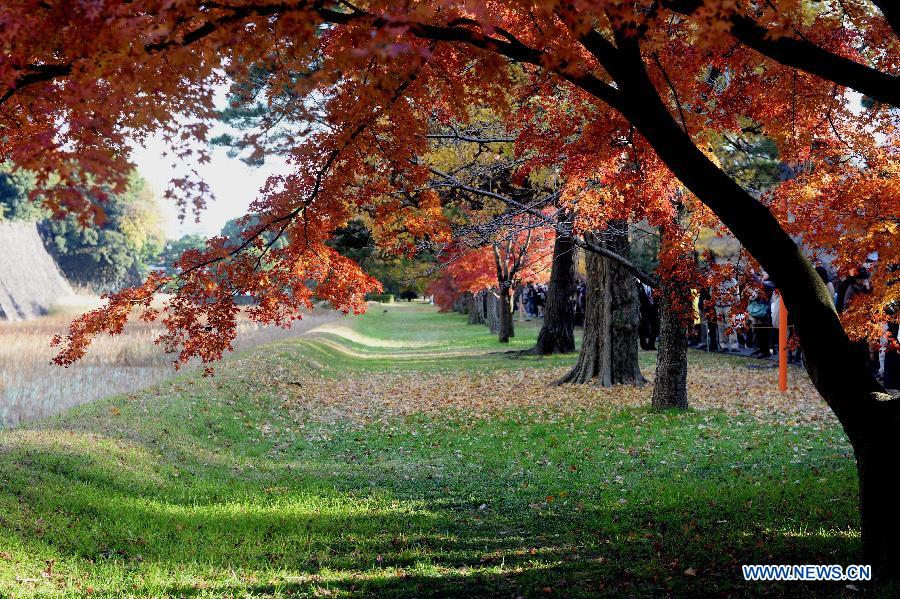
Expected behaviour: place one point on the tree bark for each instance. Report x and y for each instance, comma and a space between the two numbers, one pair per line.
670, 384
504, 315
876, 465
491, 312
557, 334
476, 308
672, 297
609, 349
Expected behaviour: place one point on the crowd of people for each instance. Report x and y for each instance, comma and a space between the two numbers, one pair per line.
530, 301
717, 327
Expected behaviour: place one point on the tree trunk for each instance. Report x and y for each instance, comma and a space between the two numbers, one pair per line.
673, 299
670, 384
876, 465
462, 303
504, 315
492, 312
869, 416
476, 308
558, 331
609, 349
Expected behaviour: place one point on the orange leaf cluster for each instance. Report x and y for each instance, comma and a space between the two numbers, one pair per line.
78, 80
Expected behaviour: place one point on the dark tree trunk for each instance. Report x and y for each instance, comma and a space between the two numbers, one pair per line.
504, 315
609, 349
476, 308
672, 299
869, 416
558, 331
670, 384
876, 464
463, 303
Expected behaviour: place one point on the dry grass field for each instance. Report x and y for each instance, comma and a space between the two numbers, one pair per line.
31, 387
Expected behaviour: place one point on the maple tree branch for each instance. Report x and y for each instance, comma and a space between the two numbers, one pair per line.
510, 46
580, 241
674, 91
43, 73
891, 11
36, 73
807, 56
593, 41
470, 138
287, 218
456, 31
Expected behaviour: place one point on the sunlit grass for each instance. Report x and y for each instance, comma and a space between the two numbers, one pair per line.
219, 487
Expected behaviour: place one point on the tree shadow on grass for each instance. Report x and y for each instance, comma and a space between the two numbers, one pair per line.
410, 536
565, 580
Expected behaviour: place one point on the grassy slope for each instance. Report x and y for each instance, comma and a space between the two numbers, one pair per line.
209, 487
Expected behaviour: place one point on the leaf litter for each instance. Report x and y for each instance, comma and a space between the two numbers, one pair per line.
362, 398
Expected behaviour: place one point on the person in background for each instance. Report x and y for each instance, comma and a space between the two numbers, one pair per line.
743, 324
775, 306
579, 298
891, 371
530, 301
761, 312
696, 333
795, 352
856, 284
648, 328
826, 278
519, 303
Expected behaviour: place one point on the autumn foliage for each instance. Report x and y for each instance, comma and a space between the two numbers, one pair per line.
526, 255
78, 80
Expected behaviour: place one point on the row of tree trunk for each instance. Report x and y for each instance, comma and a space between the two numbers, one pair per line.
609, 350
486, 307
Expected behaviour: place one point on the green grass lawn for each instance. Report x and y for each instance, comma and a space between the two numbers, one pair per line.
215, 487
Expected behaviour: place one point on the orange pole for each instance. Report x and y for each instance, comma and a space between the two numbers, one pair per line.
782, 344
782, 331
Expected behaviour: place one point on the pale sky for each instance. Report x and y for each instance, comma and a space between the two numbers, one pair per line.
233, 183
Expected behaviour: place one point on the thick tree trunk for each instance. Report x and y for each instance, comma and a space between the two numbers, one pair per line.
869, 416
876, 464
492, 312
504, 314
673, 300
670, 384
558, 331
463, 303
609, 348
476, 308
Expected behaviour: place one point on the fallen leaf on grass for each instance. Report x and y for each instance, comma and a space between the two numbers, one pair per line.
363, 398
